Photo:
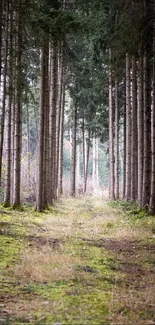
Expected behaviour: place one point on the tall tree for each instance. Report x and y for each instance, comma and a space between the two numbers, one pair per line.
2, 118
140, 129
7, 198
116, 141
128, 130
111, 137
40, 198
73, 175
134, 133
152, 196
20, 7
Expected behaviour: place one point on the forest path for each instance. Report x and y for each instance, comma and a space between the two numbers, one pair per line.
87, 261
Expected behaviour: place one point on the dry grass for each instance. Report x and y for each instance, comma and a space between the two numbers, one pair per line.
46, 266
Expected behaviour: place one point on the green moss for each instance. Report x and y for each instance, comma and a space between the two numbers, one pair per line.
125, 205
17, 207
73, 303
9, 249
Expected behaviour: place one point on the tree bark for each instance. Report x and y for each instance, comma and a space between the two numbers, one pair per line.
62, 141
152, 196
1, 10
116, 141
4, 86
73, 179
87, 162
128, 130
124, 152
140, 129
134, 133
83, 151
111, 137
147, 138
7, 197
46, 127
18, 110
28, 146
59, 116
54, 121
40, 202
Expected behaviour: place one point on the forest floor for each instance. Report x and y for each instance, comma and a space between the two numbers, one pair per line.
84, 262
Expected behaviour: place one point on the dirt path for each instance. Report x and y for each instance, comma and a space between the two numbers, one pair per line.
86, 262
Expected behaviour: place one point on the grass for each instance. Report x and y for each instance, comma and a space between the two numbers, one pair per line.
83, 262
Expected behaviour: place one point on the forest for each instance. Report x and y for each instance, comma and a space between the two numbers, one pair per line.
77, 162
77, 100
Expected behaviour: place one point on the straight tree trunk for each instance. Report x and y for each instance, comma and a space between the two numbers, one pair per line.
46, 128
2, 120
152, 196
140, 129
62, 140
124, 151
128, 130
111, 136
18, 111
94, 163
83, 151
97, 164
28, 146
59, 116
7, 198
40, 202
116, 142
147, 138
78, 167
13, 139
1, 10
54, 121
73, 179
87, 162
134, 133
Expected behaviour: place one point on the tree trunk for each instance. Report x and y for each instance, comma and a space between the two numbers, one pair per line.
94, 163
18, 110
46, 127
134, 133
111, 137
97, 164
4, 86
87, 162
124, 152
59, 115
28, 146
54, 121
140, 129
128, 130
152, 196
40, 202
116, 142
147, 128
73, 179
83, 151
78, 166
1, 10
62, 141
7, 198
